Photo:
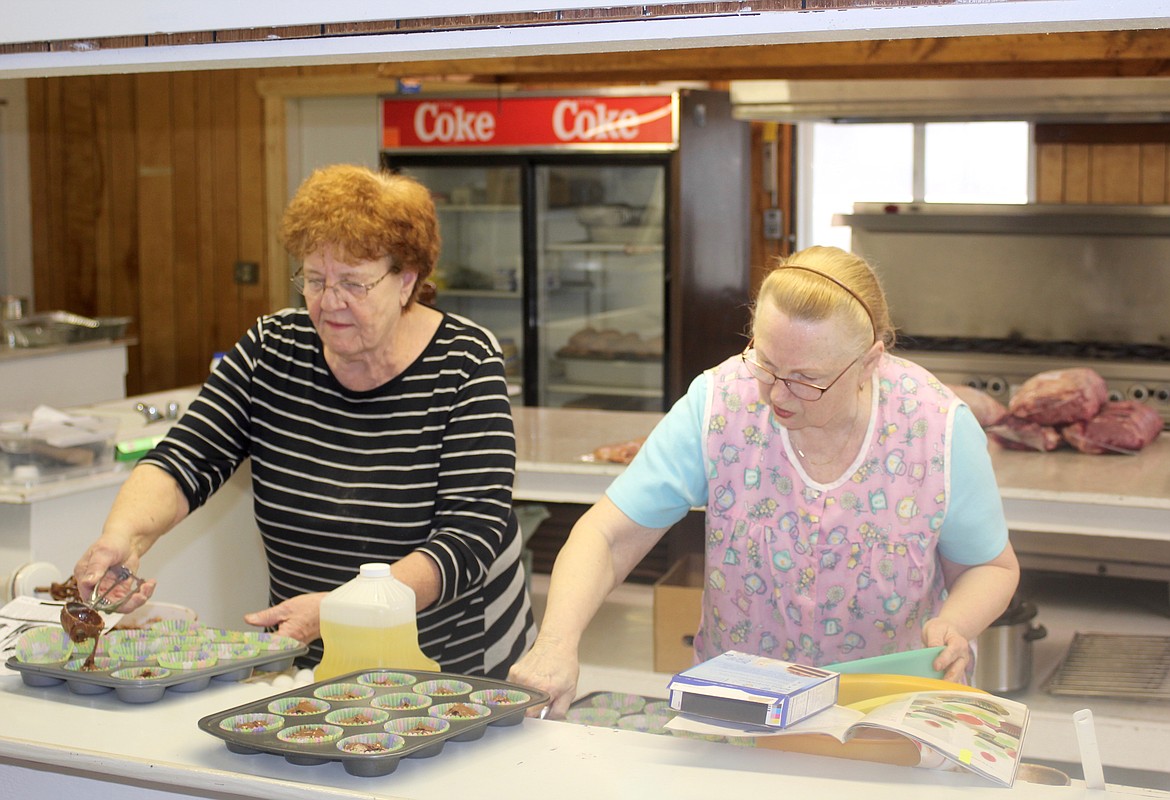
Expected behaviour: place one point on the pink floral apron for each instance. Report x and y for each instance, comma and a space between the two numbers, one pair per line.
813, 573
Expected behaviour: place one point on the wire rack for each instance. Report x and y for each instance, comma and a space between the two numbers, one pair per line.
1114, 665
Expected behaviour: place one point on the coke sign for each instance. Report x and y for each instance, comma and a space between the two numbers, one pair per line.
531, 122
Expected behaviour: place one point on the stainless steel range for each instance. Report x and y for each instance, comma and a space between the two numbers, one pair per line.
991, 295
1000, 373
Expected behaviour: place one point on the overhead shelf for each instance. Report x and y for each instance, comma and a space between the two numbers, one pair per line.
1082, 220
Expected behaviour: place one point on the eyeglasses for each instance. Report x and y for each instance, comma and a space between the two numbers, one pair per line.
347, 290
800, 389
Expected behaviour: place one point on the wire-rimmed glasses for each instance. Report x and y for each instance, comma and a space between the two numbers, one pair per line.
348, 290
801, 390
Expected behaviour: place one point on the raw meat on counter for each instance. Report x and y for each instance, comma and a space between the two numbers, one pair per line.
1066, 406
1122, 427
987, 409
1060, 396
620, 452
1020, 434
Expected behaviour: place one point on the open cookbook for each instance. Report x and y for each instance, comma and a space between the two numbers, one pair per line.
962, 731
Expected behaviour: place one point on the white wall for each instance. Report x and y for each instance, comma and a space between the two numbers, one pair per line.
15, 215
331, 130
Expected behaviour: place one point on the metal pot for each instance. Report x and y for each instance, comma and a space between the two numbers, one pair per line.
1004, 651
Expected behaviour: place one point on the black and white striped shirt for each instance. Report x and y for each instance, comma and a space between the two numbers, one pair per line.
424, 462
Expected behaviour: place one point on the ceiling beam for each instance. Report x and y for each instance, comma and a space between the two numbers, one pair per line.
1078, 54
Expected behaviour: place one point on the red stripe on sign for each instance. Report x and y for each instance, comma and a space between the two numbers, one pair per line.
527, 121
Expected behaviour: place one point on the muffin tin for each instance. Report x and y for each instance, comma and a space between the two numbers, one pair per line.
371, 719
140, 665
635, 712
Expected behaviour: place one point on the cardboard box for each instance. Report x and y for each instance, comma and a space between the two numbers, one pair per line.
753, 690
678, 597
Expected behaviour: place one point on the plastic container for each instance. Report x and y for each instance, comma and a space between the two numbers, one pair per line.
370, 622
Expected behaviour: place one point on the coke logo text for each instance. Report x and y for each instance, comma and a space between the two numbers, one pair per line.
599, 123
432, 124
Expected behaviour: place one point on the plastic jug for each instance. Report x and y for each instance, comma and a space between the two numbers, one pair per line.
370, 622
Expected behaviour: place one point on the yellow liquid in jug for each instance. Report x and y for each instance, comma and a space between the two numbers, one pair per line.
349, 648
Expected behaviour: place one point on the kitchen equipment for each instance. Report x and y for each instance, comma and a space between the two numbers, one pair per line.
596, 236
52, 328
370, 622
369, 720
115, 587
144, 677
1003, 661
1126, 666
13, 307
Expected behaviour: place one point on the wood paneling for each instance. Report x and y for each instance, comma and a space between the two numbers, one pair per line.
1122, 164
146, 191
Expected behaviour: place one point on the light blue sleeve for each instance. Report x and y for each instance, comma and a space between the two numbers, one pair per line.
668, 476
974, 530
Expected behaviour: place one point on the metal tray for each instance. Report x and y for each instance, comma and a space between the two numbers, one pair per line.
52, 328
148, 690
370, 708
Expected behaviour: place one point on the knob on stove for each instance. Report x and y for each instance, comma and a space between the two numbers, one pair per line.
996, 385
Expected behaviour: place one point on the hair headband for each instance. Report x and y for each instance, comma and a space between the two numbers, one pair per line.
853, 294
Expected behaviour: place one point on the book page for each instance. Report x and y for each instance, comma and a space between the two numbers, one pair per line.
979, 732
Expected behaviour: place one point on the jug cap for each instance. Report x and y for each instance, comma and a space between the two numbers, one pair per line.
374, 569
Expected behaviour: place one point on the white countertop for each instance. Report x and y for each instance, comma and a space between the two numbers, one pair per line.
51, 739
48, 734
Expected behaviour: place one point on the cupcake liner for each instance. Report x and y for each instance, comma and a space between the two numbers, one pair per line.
646, 723
343, 692
140, 673
100, 664
386, 679
357, 717
298, 706
658, 707
133, 651
45, 645
417, 726
443, 688
175, 644
255, 723
176, 627
233, 651
459, 712
223, 635
187, 659
499, 697
401, 701
311, 733
371, 744
271, 641
598, 717
620, 702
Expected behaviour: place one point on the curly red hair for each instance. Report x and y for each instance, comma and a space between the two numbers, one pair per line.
365, 215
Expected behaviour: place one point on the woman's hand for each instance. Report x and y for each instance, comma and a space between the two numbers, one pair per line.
106, 552
955, 658
298, 617
549, 668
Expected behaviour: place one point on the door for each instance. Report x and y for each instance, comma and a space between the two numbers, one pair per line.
480, 274
600, 283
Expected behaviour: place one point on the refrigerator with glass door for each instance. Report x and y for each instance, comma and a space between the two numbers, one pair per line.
567, 232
